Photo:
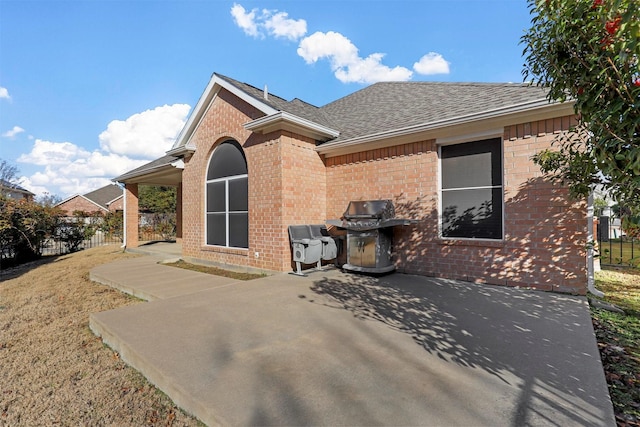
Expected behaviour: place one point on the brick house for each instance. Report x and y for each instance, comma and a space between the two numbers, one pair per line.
14, 191
106, 199
455, 156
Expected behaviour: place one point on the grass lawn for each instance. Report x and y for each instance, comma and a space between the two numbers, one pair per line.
620, 252
618, 338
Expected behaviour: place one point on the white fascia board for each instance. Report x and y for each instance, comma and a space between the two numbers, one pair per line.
178, 164
282, 120
213, 87
111, 201
529, 111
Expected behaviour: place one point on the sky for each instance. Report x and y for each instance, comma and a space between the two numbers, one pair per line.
90, 89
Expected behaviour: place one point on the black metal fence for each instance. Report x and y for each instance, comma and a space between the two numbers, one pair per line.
89, 232
52, 246
614, 246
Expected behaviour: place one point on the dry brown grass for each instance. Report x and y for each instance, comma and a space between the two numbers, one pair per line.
53, 370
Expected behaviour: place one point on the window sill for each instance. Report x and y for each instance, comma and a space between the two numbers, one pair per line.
485, 243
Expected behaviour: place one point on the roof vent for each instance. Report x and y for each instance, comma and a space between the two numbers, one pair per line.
266, 93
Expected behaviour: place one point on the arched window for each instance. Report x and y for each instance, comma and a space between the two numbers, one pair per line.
227, 197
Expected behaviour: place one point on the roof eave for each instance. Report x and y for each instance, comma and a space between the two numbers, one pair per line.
534, 110
157, 173
181, 151
282, 120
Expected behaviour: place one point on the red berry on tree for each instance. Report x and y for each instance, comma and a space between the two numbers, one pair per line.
613, 26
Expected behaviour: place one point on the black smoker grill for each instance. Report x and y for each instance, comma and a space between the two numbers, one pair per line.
369, 235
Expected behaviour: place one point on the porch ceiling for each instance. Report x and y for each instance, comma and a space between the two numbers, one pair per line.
164, 171
165, 176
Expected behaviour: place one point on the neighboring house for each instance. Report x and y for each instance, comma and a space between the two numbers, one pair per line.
456, 157
14, 191
104, 200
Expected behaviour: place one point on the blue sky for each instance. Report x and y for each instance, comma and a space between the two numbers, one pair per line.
90, 89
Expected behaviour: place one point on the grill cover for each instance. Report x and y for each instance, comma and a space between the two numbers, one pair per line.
370, 209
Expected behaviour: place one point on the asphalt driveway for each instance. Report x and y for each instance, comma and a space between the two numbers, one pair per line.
344, 349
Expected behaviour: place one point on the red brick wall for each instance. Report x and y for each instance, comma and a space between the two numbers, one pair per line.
118, 205
286, 186
545, 232
289, 183
79, 203
131, 218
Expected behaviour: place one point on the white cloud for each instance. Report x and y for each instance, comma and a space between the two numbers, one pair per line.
431, 63
342, 54
45, 153
4, 93
246, 21
13, 132
347, 65
125, 145
29, 184
148, 134
279, 25
271, 22
70, 169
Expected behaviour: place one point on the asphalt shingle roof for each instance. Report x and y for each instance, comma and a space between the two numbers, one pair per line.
396, 105
14, 187
104, 195
388, 106
296, 106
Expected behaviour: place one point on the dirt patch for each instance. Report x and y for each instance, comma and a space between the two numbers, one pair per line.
53, 370
214, 270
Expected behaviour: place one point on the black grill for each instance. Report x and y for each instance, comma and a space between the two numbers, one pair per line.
369, 235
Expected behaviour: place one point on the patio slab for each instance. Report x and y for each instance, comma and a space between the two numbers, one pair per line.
342, 349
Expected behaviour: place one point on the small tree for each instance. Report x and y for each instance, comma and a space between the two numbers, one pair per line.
75, 230
24, 226
113, 225
8, 175
588, 51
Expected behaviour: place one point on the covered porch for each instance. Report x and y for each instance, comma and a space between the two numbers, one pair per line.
165, 171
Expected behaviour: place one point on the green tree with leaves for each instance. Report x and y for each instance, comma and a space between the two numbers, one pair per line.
588, 51
157, 199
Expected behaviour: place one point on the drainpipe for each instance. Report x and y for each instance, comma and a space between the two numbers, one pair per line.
590, 240
124, 217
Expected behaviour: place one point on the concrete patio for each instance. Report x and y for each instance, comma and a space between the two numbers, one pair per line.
343, 349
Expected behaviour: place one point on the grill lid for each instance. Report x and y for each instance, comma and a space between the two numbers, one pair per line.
369, 209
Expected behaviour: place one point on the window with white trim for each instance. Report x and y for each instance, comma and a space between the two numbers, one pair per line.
471, 190
227, 197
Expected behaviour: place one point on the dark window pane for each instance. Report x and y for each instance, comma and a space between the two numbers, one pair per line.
473, 164
475, 213
238, 194
216, 229
239, 230
216, 196
227, 160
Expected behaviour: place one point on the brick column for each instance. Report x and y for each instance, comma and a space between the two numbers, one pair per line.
131, 215
179, 213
